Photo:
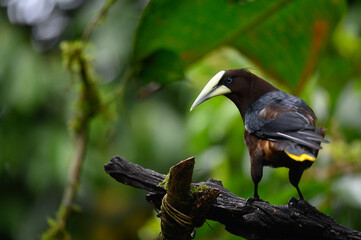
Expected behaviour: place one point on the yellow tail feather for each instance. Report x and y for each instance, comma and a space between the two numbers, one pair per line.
301, 157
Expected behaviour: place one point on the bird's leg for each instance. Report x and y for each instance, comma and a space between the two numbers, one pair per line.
256, 173
255, 193
299, 193
294, 175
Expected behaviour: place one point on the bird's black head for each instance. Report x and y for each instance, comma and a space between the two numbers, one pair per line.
239, 85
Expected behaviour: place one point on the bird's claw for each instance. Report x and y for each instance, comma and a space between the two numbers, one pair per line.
251, 200
293, 200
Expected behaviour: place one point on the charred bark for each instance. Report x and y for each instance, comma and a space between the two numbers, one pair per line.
251, 220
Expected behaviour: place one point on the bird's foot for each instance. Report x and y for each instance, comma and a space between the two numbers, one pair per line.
300, 206
292, 206
251, 200
293, 200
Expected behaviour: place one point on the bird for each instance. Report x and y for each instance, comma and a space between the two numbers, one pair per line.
280, 129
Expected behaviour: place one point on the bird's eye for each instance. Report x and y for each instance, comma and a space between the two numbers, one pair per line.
229, 80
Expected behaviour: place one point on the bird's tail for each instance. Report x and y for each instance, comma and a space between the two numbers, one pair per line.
300, 152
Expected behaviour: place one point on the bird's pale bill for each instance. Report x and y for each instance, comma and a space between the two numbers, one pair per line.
212, 89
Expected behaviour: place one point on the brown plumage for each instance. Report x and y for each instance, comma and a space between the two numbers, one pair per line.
280, 128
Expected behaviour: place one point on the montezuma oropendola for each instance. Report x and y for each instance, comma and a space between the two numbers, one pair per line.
280, 129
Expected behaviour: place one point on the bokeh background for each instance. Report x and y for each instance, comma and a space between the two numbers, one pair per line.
150, 60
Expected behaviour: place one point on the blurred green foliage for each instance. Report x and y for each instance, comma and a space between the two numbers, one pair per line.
309, 48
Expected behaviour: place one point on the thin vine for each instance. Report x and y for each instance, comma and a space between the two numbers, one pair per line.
88, 106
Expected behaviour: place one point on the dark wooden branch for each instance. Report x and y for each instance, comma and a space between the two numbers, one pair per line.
252, 220
178, 185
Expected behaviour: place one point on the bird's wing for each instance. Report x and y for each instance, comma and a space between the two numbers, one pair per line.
288, 126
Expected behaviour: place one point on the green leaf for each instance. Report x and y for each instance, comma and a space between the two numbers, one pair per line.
287, 42
189, 29
192, 28
283, 37
163, 66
